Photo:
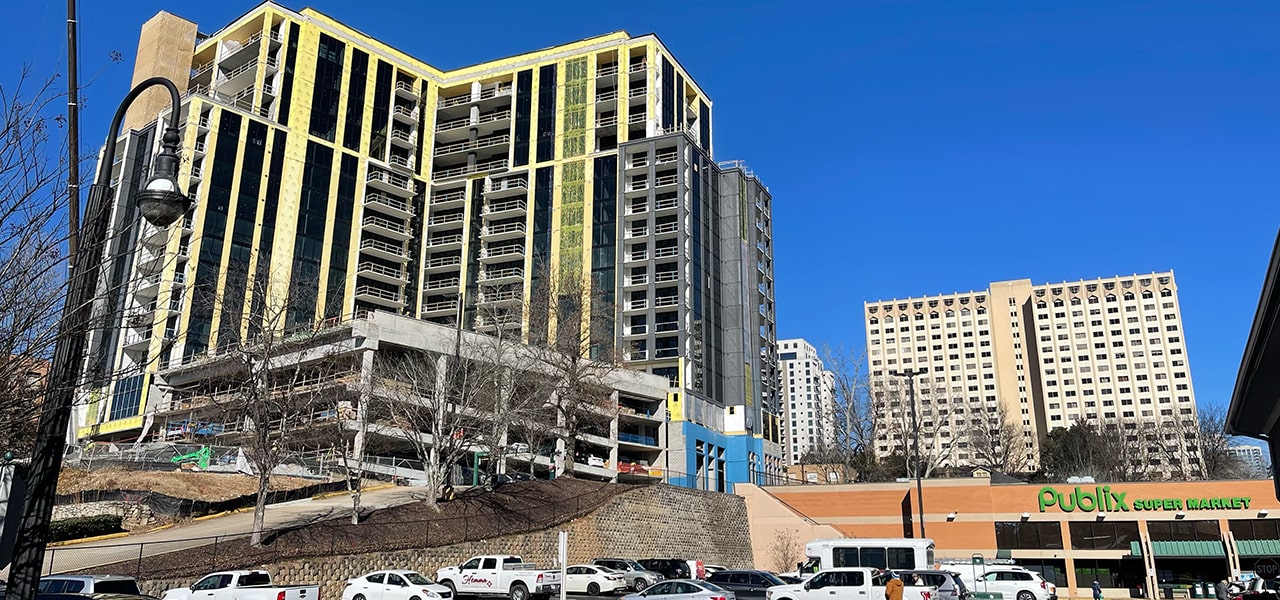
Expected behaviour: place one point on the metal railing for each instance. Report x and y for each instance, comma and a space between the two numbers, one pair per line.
376, 221
445, 219
453, 196
485, 142
505, 205
492, 165
381, 198
444, 240
493, 274
383, 246
377, 292
369, 267
440, 284
393, 179
607, 70
504, 228
508, 250
445, 261
404, 86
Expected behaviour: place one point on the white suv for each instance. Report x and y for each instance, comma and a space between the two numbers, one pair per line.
1016, 583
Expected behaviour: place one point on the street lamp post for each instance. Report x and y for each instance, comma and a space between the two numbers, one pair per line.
162, 203
915, 427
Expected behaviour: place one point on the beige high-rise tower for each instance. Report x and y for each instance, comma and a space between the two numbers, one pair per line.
1006, 365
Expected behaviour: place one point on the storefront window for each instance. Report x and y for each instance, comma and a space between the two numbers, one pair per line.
1103, 536
1015, 535
1183, 531
1053, 571
1256, 529
1109, 573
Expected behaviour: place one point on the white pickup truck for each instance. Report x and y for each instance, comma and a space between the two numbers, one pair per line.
242, 585
848, 583
499, 575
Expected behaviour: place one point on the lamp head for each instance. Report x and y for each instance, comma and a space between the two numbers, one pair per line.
161, 200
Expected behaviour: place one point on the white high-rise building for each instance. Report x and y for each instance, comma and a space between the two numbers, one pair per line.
1252, 458
1045, 356
808, 398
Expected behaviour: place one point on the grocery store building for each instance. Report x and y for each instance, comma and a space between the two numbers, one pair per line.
1130, 537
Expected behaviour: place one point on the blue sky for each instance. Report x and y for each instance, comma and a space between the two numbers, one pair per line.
911, 147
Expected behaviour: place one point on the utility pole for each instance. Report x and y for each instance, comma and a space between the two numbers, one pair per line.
915, 427
73, 136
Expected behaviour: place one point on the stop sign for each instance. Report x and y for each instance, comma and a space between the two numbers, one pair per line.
1267, 568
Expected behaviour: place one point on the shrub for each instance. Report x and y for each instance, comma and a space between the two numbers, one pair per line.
83, 527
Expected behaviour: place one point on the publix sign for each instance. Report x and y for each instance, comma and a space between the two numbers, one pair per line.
1105, 498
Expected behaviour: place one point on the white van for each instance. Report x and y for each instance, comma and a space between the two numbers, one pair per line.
878, 553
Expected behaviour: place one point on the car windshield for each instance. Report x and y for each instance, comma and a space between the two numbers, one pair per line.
417, 578
635, 566
772, 579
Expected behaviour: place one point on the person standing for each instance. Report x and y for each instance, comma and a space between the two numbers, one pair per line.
1097, 590
893, 589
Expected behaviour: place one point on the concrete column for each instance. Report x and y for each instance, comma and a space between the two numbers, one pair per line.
362, 413
1069, 565
1148, 561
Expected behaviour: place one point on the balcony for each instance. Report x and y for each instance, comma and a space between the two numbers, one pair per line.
667, 157
666, 204
385, 227
495, 91
437, 285
439, 309
443, 263
377, 295
401, 162
637, 208
198, 150
665, 180
637, 185
638, 67
637, 255
388, 205
243, 75
667, 252
395, 183
634, 330
445, 219
637, 232
404, 89
448, 199
506, 231
511, 186
496, 322
636, 355
637, 92
664, 276
384, 250
662, 301
404, 114
450, 241
606, 96
606, 70
383, 273
137, 342
468, 145
637, 280
510, 274
403, 139
197, 173
665, 228
641, 304
501, 297
505, 208
608, 121
461, 170
636, 117
501, 253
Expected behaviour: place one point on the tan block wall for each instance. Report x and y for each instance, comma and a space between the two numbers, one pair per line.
165, 48
660, 521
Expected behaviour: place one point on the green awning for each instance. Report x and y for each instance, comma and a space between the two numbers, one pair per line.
1258, 547
1206, 549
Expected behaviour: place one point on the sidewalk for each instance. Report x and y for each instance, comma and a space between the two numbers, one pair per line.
71, 558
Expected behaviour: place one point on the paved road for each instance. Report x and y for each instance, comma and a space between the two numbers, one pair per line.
80, 557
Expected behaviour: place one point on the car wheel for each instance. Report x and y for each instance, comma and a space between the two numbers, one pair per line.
1025, 595
639, 584
453, 592
358, 597
593, 589
520, 592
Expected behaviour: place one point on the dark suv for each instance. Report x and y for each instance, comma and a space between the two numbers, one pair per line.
746, 583
671, 568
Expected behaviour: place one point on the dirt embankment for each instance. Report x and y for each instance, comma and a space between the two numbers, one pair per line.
209, 487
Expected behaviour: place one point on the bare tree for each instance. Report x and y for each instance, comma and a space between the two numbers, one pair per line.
785, 550
933, 425
440, 404
33, 202
276, 377
1216, 461
997, 443
576, 359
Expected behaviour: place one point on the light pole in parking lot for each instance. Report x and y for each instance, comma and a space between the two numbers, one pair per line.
915, 428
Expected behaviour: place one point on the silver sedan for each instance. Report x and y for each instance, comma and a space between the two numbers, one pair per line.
682, 589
